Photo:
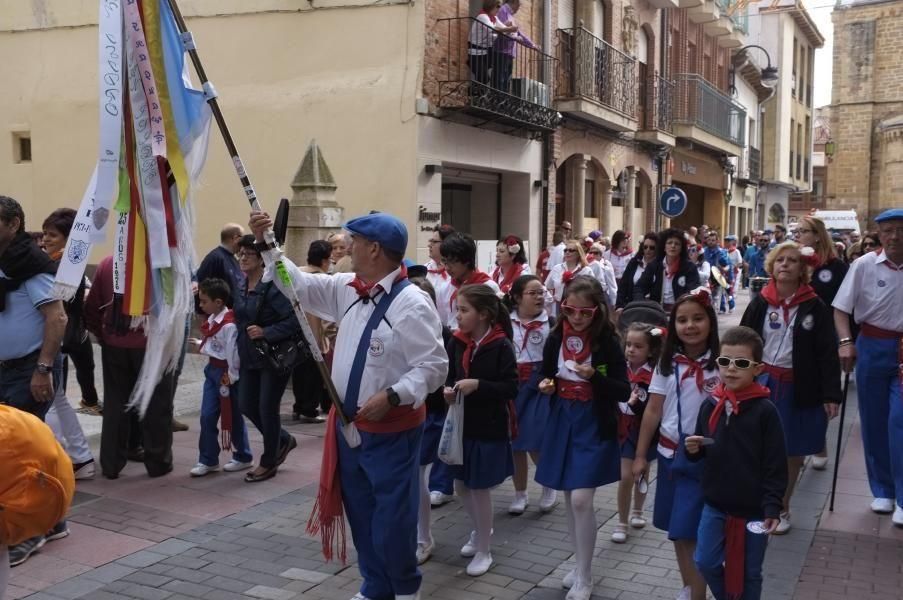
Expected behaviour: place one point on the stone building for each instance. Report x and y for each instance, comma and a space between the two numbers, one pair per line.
803, 203
866, 172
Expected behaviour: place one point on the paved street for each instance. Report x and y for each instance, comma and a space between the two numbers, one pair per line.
218, 538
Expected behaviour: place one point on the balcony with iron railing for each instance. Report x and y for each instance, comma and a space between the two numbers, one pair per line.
656, 103
707, 116
492, 78
595, 80
754, 163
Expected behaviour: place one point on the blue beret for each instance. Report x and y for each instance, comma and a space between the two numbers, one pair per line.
380, 227
889, 215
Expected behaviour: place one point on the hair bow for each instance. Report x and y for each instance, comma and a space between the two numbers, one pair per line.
702, 295
809, 256
658, 332
512, 244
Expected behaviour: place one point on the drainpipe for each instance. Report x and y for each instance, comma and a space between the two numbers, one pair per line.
762, 104
546, 154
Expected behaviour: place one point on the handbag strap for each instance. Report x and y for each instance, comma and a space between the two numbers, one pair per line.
680, 427
363, 345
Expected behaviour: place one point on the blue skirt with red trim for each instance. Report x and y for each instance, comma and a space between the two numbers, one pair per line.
532, 408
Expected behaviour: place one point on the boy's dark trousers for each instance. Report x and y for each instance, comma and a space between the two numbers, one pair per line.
710, 553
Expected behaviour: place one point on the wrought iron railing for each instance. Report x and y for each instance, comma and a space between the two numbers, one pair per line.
493, 74
591, 68
738, 15
699, 103
664, 103
754, 163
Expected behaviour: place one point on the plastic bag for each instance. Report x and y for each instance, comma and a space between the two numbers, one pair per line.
451, 443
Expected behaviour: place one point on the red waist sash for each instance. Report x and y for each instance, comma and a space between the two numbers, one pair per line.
575, 390
877, 332
779, 373
399, 418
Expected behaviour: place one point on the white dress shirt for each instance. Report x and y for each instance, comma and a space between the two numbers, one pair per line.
223, 345
442, 285
556, 255
874, 290
605, 273
405, 352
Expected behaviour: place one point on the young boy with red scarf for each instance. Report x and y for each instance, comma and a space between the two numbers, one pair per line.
459, 254
739, 434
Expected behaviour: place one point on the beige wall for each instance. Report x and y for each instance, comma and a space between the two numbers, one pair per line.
345, 77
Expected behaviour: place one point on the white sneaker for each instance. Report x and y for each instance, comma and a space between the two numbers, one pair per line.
784, 526
480, 564
438, 498
567, 582
359, 596
883, 506
819, 463
619, 535
548, 500
637, 520
898, 516
424, 551
408, 596
580, 591
684, 594
519, 504
236, 465
470, 548
84, 470
200, 469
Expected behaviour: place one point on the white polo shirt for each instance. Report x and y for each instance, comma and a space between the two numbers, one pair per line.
405, 352
528, 346
223, 344
873, 292
691, 398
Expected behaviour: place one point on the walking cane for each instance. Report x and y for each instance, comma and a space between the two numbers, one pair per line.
273, 256
843, 410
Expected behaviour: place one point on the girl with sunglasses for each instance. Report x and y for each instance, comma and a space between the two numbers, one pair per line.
531, 325
574, 264
586, 375
798, 330
672, 274
685, 377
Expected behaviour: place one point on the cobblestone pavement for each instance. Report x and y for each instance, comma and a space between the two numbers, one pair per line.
218, 538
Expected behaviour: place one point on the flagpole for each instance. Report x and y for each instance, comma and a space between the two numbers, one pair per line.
274, 255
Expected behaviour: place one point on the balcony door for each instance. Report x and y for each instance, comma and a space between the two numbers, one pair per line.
644, 87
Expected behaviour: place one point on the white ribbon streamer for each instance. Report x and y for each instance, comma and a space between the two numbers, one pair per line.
71, 271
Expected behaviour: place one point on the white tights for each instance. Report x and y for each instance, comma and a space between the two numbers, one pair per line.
424, 535
478, 504
582, 527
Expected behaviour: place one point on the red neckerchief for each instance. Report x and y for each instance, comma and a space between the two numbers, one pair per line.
643, 375
364, 289
568, 276
580, 352
694, 369
470, 345
626, 252
208, 330
887, 262
439, 270
770, 293
671, 266
475, 277
511, 274
527, 328
735, 400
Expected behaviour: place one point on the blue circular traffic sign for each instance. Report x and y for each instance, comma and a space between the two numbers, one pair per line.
672, 202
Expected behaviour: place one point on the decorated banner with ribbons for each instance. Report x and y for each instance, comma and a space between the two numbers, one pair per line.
154, 128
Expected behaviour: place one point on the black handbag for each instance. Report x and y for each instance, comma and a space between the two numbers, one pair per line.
283, 355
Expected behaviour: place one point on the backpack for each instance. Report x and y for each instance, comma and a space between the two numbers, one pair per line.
36, 477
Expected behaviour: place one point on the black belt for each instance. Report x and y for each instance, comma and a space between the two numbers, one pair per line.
18, 362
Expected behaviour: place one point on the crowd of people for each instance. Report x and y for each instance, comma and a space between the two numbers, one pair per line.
604, 359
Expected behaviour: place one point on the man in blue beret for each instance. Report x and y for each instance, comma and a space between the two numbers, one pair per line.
388, 356
874, 288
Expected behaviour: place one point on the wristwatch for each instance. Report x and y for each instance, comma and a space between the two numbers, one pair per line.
44, 369
394, 398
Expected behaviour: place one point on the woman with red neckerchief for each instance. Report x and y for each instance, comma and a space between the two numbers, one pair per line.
620, 253
511, 262
798, 331
672, 274
574, 264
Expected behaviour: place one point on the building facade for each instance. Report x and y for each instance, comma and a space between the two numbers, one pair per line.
866, 170
822, 153
789, 35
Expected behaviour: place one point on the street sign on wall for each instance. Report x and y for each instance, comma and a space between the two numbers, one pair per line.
673, 202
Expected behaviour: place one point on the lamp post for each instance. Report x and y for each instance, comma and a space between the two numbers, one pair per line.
769, 77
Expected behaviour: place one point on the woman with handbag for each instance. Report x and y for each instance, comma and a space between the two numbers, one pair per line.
265, 322
685, 377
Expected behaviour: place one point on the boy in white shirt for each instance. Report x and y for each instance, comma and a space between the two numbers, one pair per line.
220, 400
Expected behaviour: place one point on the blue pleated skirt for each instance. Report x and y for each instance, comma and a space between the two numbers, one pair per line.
572, 455
678, 502
804, 428
532, 409
486, 464
432, 431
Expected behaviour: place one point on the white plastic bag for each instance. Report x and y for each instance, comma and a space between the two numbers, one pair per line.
451, 444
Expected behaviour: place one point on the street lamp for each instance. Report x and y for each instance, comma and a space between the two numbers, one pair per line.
769, 77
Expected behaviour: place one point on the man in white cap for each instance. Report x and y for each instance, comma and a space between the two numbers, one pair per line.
388, 356
874, 288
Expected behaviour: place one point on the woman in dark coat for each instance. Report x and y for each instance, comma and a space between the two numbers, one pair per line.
672, 274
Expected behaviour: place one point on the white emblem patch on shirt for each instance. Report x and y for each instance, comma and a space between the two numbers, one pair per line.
825, 276
682, 281
881, 283
376, 347
808, 323
709, 385
574, 344
535, 337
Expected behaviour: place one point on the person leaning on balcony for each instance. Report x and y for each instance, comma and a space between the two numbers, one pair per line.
481, 54
506, 46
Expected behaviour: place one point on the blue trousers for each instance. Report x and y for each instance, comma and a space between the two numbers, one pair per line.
709, 556
15, 385
209, 442
881, 414
381, 494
